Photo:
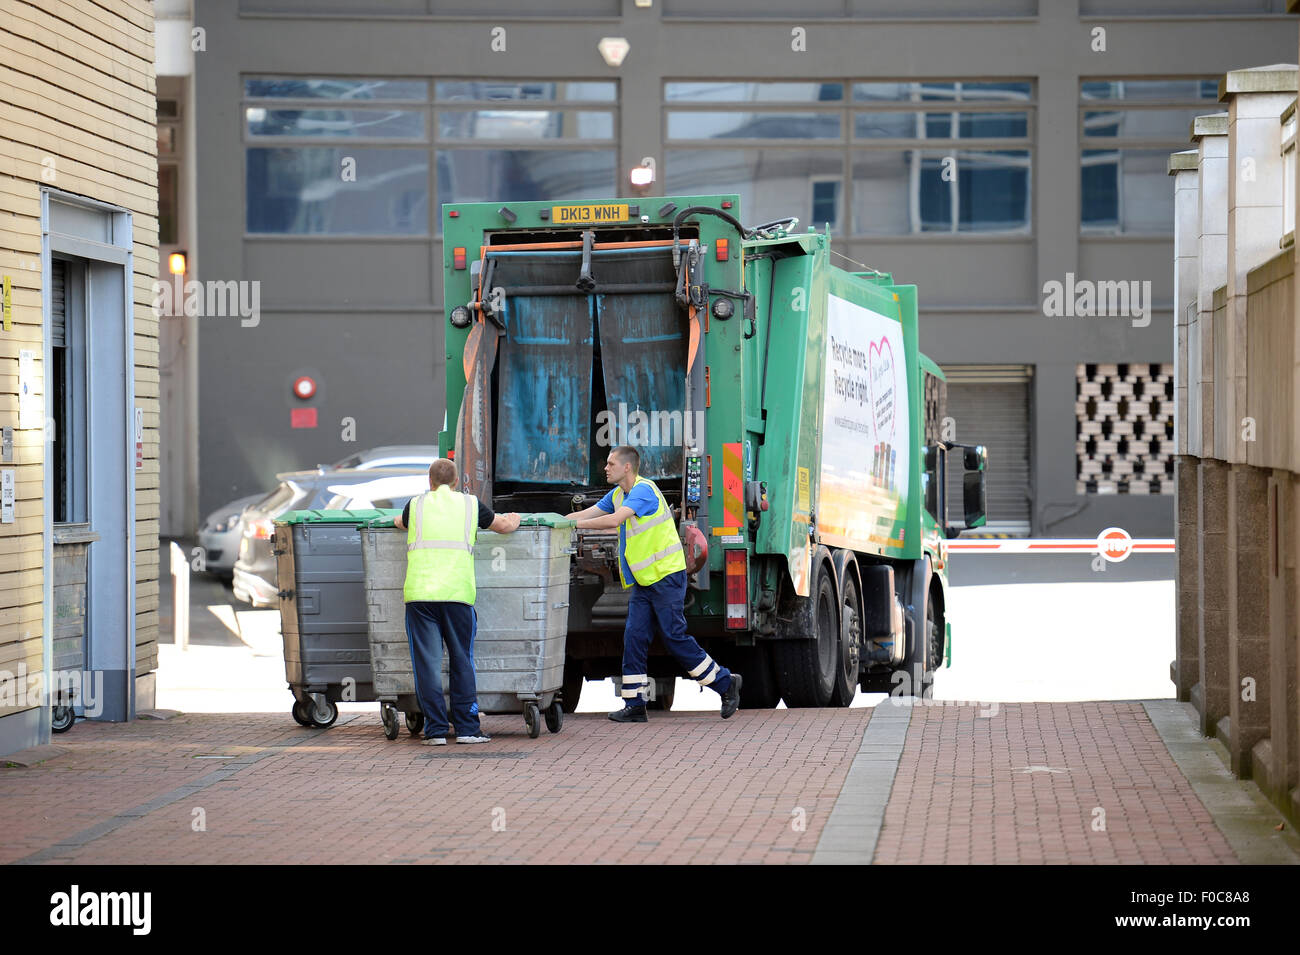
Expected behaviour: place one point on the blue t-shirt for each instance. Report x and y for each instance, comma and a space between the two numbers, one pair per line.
642, 500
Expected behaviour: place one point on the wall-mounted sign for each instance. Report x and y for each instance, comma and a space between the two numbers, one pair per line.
29, 406
7, 444
7, 496
8, 305
139, 438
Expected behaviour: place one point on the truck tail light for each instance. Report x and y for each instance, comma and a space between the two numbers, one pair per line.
458, 257
261, 530
737, 590
723, 249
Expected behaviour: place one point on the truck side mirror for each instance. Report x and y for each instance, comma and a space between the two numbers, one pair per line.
974, 498
975, 458
928, 455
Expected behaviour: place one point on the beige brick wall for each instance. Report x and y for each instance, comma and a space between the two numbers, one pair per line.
77, 113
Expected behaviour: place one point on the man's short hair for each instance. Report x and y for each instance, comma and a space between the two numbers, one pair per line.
628, 455
442, 471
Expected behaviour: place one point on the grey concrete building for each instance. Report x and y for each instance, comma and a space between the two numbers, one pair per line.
1006, 156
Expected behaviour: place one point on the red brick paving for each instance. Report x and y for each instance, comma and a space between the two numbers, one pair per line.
683, 788
961, 795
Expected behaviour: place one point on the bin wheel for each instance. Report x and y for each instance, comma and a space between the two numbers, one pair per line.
555, 716
324, 716
533, 719
414, 723
388, 715
62, 718
302, 713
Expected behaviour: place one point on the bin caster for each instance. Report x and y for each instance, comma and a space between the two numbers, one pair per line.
533, 719
302, 713
555, 716
414, 723
388, 715
323, 714
62, 718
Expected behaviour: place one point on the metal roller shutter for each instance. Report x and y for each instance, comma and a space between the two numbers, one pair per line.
990, 405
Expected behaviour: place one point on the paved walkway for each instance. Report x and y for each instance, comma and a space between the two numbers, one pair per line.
1031, 783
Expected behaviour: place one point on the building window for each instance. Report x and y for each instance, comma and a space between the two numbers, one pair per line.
1124, 440
377, 157
517, 141
1127, 130
167, 203
68, 388
956, 158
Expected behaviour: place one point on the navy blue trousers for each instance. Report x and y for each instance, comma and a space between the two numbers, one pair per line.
659, 607
428, 624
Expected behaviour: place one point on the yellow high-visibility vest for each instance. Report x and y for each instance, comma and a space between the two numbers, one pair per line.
651, 545
440, 547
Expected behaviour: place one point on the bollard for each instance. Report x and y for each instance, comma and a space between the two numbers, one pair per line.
180, 598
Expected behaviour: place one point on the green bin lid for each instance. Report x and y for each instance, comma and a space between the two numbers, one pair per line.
374, 517
546, 519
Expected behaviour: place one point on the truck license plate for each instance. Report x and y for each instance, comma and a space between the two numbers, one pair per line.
568, 215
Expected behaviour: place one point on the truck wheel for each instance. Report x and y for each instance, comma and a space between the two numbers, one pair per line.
571, 688
850, 642
924, 630
805, 668
755, 665
665, 690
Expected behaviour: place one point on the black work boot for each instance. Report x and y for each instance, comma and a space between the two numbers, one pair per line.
731, 699
629, 714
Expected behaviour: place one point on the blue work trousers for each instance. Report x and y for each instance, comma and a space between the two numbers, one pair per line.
660, 607
428, 624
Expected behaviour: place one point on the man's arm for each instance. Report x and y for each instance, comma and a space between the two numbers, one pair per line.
504, 523
604, 521
584, 514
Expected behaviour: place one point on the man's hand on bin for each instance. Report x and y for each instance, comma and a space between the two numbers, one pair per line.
505, 523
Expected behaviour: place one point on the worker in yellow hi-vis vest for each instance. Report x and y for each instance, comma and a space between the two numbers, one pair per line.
652, 564
442, 526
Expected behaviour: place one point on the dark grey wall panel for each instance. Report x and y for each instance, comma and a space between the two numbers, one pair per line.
952, 272
300, 7
1112, 260
341, 272
380, 370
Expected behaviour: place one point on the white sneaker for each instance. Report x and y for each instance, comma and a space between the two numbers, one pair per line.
435, 741
480, 738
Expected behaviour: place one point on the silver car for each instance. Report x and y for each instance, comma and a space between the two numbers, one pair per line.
220, 533
223, 529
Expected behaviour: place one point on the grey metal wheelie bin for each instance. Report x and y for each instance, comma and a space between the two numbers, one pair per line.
323, 610
522, 581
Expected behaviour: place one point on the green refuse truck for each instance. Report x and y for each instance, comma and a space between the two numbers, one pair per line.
780, 403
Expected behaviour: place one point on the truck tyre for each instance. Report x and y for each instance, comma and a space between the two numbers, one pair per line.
849, 650
922, 627
755, 665
571, 687
806, 660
